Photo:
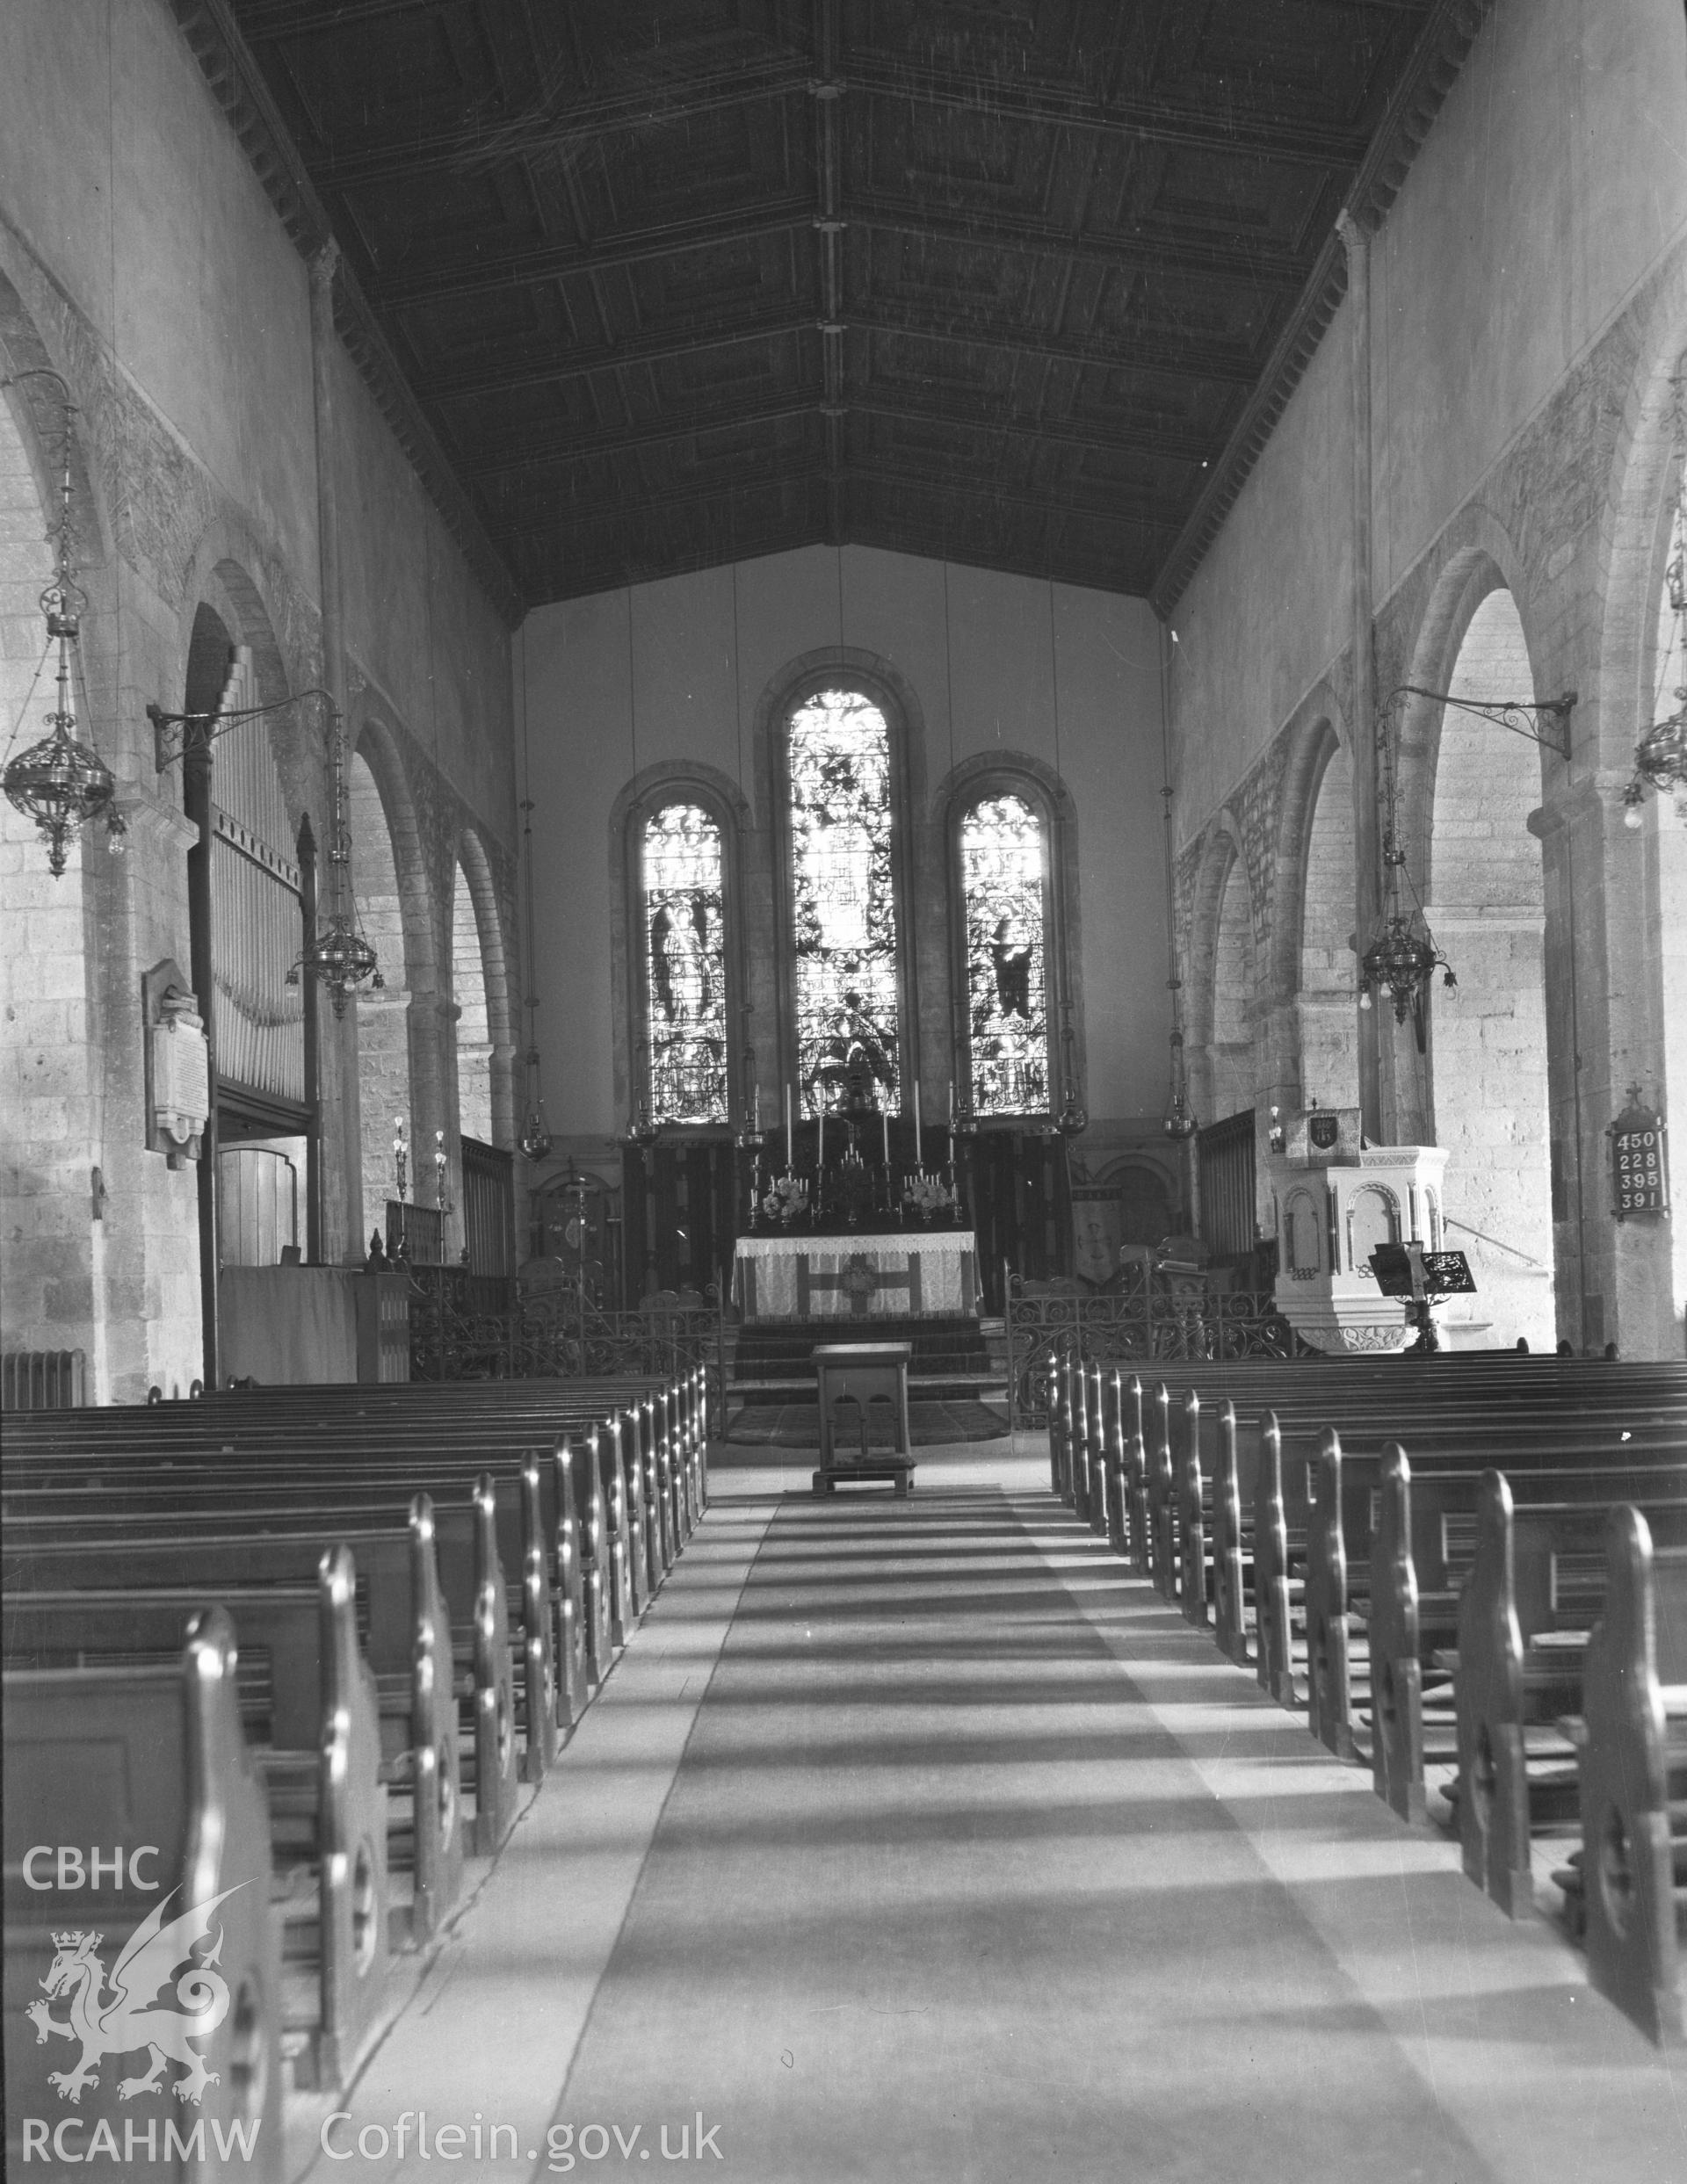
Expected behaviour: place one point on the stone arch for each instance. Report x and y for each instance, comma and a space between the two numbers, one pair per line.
481, 990
1313, 964
1223, 988
1647, 864
51, 1115
227, 574
1469, 788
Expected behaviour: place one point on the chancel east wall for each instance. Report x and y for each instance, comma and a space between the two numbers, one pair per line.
685, 676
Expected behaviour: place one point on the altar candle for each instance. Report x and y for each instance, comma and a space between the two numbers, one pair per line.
919, 1159
787, 1130
819, 1142
883, 1119
758, 1107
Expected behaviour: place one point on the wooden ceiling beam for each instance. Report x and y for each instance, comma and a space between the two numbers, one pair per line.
506, 373
1256, 133
1260, 266
1238, 131
555, 261
262, 20
531, 452
559, 516
465, 146
1184, 250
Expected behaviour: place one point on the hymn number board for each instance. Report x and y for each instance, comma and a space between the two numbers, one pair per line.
1640, 1173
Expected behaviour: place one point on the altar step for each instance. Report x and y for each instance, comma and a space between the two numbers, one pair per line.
773, 1363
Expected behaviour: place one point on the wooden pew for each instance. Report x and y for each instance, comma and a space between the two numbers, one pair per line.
137, 1756
621, 1454
1523, 1624
538, 1536
1633, 1779
675, 1411
407, 1642
321, 1762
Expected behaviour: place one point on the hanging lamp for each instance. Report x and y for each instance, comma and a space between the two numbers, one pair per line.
1661, 754
337, 954
60, 784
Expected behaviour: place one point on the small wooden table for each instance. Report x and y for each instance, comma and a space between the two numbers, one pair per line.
862, 1373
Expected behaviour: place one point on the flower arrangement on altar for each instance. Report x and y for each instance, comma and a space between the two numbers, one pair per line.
787, 1199
927, 1193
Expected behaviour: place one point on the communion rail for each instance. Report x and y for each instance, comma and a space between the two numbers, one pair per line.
1164, 1325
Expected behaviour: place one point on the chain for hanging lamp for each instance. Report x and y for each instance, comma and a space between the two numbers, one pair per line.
60, 784
337, 955
1403, 958
535, 1131
1661, 754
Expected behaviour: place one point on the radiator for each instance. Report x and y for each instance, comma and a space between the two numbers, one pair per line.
44, 1380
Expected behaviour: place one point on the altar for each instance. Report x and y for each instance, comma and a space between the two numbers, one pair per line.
904, 1274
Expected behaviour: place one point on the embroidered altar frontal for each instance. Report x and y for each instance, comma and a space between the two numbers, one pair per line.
897, 1277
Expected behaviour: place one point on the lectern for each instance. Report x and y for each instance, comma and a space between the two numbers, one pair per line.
864, 1373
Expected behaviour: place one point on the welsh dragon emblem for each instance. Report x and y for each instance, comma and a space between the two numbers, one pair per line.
132, 2014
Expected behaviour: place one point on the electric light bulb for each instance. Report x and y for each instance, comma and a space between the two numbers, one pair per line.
1633, 818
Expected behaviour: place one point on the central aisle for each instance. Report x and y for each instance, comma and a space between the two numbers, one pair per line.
916, 1840
935, 1896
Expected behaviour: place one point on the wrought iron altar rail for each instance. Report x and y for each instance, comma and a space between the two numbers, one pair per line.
478, 1327
1167, 1323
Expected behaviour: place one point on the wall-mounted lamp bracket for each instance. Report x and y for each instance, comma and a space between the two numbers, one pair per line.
190, 734
1522, 715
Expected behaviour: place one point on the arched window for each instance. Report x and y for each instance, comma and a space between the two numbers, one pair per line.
1004, 871
684, 955
845, 942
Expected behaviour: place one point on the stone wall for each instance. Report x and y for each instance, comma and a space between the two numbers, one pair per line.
1529, 308
141, 259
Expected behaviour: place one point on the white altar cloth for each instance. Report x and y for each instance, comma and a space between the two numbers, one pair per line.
904, 1275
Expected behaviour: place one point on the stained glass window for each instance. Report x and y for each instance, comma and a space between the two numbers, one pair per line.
843, 894
1001, 864
685, 960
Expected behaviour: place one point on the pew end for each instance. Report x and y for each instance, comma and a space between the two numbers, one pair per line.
142, 1755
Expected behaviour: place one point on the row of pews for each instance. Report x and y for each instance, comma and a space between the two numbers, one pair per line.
1470, 1563
276, 1665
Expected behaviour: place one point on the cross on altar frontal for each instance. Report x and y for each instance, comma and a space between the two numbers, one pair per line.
899, 1276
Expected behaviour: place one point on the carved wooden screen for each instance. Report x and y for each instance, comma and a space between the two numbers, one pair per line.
257, 918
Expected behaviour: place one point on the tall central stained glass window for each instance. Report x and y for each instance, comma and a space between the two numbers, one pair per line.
1003, 858
685, 965
844, 898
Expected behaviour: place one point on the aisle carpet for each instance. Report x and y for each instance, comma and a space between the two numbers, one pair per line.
930, 1425
936, 1895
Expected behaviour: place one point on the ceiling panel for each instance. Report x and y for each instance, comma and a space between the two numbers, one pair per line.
676, 279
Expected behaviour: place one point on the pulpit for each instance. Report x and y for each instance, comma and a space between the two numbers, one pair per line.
864, 1373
